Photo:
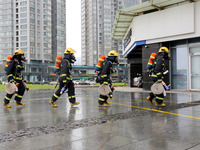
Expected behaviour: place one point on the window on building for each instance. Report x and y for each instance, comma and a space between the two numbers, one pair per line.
22, 9
23, 32
23, 43
32, 9
23, 3
23, 26
23, 38
23, 15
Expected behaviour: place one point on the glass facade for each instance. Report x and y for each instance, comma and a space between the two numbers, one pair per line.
179, 70
185, 70
194, 66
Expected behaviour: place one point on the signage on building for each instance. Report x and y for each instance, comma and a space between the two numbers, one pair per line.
127, 39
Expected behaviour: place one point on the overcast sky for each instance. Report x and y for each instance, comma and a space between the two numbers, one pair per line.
73, 25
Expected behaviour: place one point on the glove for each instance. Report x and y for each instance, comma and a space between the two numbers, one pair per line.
112, 88
98, 79
25, 81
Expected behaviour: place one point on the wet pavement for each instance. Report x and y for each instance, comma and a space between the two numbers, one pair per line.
130, 122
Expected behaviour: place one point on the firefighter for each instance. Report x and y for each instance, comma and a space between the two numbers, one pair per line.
107, 69
14, 75
157, 76
65, 81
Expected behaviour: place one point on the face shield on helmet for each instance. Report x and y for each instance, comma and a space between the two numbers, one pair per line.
116, 60
73, 58
113, 59
22, 57
167, 56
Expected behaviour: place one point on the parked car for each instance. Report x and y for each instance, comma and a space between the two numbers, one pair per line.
52, 83
84, 83
5, 82
90, 82
76, 82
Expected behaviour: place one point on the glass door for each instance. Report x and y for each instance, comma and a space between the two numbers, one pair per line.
194, 68
179, 68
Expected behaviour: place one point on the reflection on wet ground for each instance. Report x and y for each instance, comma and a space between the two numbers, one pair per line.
130, 122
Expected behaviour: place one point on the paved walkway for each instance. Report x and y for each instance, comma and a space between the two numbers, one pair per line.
130, 122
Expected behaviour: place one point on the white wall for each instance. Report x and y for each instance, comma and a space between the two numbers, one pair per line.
179, 22
196, 25
170, 22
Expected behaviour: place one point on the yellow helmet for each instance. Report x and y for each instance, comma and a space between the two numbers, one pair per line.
164, 49
19, 51
112, 53
69, 51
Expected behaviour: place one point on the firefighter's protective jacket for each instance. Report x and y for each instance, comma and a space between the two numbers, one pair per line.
107, 69
65, 70
159, 68
14, 71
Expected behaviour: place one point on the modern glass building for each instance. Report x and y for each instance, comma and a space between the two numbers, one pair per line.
174, 24
38, 27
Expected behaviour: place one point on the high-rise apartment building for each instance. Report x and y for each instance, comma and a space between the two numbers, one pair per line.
97, 21
58, 27
38, 27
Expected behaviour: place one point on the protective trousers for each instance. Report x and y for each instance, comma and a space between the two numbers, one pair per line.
71, 91
102, 98
159, 97
18, 97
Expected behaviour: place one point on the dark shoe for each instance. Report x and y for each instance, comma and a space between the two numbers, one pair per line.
150, 100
